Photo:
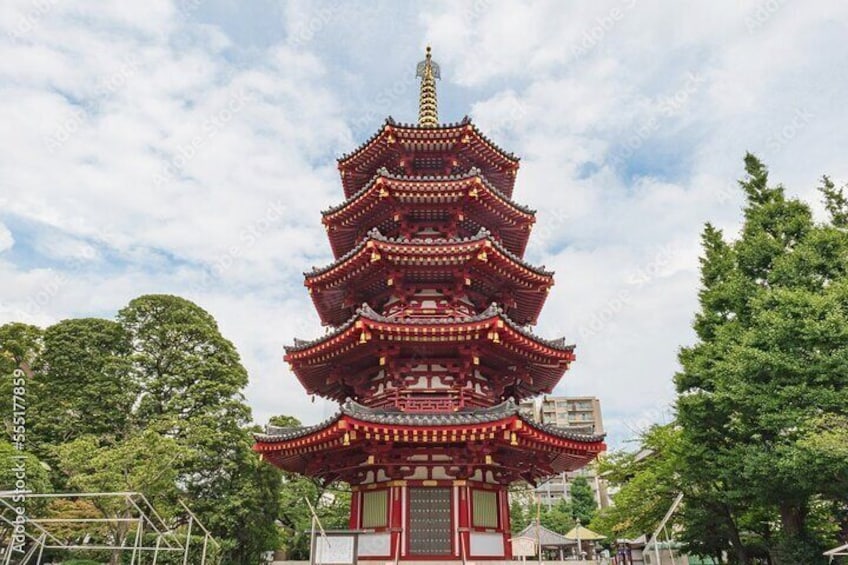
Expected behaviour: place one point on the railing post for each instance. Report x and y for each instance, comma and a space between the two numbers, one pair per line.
188, 540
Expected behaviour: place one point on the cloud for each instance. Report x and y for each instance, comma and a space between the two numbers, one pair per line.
188, 148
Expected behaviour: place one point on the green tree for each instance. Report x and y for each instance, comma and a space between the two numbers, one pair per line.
521, 512
331, 503
645, 483
83, 384
145, 463
583, 503
190, 380
772, 351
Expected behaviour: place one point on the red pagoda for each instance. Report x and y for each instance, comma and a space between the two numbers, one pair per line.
430, 303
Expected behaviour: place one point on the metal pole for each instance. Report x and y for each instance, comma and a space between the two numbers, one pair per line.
137, 542
188, 540
9, 549
313, 547
579, 548
205, 545
539, 526
41, 541
659, 529
156, 551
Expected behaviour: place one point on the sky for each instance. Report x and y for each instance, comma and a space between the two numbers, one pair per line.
188, 147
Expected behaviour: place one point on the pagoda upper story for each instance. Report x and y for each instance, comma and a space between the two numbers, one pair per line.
429, 296
427, 150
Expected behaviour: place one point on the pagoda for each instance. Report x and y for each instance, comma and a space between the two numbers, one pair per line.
429, 301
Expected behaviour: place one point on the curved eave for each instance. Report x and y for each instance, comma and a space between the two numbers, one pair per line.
413, 138
409, 130
482, 255
431, 250
479, 200
318, 365
361, 324
500, 426
338, 214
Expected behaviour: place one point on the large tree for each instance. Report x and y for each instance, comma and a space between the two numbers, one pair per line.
162, 375
771, 358
191, 381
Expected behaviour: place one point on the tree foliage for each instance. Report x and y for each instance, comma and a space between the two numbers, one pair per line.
84, 384
151, 402
757, 447
772, 357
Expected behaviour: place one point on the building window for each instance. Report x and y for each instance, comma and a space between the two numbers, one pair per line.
375, 506
484, 509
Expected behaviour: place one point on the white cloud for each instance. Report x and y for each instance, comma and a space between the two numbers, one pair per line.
6, 239
187, 159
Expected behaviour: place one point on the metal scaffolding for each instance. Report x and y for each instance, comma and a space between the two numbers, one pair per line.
139, 515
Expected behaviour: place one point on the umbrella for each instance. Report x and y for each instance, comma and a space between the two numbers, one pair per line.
584, 534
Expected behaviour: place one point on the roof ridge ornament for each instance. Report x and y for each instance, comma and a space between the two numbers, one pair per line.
428, 109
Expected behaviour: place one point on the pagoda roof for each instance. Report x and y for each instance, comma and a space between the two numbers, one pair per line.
382, 172
394, 417
390, 125
427, 246
416, 138
366, 313
376, 253
328, 365
377, 203
532, 449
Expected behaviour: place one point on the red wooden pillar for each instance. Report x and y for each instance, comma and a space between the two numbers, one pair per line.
396, 517
355, 508
503, 497
464, 518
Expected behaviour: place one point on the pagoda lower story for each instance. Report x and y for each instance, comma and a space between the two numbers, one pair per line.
429, 485
430, 304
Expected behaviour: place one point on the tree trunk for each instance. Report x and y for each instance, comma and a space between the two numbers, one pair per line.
735, 540
792, 518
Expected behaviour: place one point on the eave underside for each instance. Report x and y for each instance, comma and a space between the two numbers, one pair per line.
521, 365
501, 450
380, 269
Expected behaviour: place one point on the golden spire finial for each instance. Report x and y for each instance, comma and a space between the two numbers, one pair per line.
428, 108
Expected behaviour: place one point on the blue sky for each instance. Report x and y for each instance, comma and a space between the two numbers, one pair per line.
188, 147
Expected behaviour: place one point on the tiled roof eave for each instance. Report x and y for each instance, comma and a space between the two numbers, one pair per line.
395, 126
375, 235
565, 433
366, 312
471, 173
